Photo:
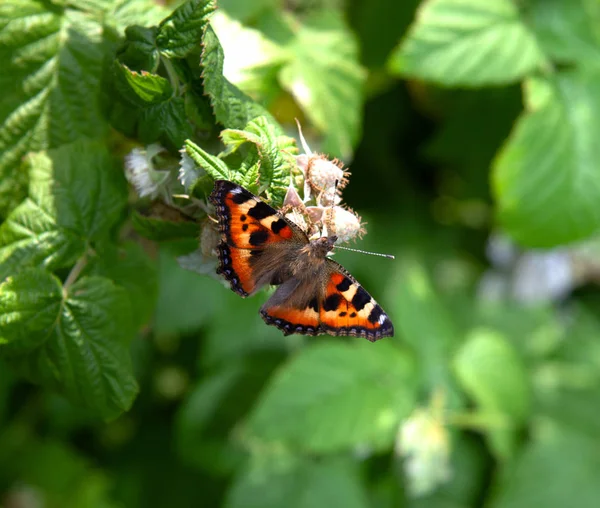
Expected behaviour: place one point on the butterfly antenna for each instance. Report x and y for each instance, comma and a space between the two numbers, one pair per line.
389, 256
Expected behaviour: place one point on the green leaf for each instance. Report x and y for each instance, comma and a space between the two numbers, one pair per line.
207, 419
89, 191
253, 60
556, 468
424, 323
232, 108
275, 155
181, 32
545, 179
30, 238
138, 51
492, 373
29, 307
294, 482
142, 88
325, 78
50, 85
214, 166
162, 230
87, 356
167, 122
568, 31
468, 43
132, 269
333, 396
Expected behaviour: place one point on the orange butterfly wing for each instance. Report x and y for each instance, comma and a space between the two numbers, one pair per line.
247, 226
340, 307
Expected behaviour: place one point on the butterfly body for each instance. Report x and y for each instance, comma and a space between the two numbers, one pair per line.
315, 295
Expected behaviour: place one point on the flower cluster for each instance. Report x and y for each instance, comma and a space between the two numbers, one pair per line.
320, 212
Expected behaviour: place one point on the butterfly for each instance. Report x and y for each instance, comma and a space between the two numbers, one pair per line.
315, 295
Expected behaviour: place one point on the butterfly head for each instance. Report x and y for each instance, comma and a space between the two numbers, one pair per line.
323, 246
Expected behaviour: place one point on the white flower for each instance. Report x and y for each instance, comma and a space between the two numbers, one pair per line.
188, 171
346, 225
140, 172
424, 443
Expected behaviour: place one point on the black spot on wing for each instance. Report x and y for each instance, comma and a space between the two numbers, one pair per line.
375, 314
261, 211
278, 225
332, 302
344, 285
240, 196
243, 218
244, 227
258, 238
314, 305
361, 298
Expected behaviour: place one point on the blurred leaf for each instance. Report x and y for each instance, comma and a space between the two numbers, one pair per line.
557, 468
568, 31
424, 323
232, 108
87, 357
50, 84
60, 477
273, 482
336, 395
29, 305
186, 300
325, 78
545, 178
379, 24
252, 60
206, 421
468, 43
245, 11
163, 230
181, 32
132, 269
492, 373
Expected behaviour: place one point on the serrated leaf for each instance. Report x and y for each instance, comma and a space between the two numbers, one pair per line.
50, 84
272, 160
142, 88
545, 179
333, 396
272, 482
325, 78
232, 108
253, 60
492, 373
468, 43
166, 122
568, 31
214, 166
30, 238
87, 356
181, 32
138, 51
29, 307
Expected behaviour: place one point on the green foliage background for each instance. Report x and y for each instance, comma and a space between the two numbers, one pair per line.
127, 381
